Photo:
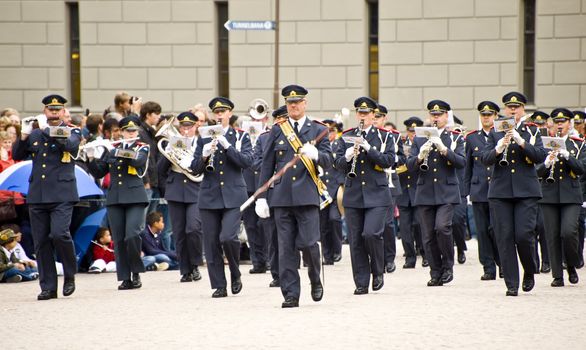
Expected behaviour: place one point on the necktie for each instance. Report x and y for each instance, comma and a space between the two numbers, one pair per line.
296, 126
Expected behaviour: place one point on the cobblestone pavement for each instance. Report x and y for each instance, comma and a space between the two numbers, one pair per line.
405, 314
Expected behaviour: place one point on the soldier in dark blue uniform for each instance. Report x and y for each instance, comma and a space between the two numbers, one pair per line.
437, 192
367, 197
222, 192
389, 237
126, 200
562, 199
182, 192
52, 193
330, 217
408, 221
268, 224
513, 193
579, 118
460, 218
295, 199
476, 180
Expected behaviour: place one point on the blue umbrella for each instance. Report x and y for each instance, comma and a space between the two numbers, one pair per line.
15, 178
86, 233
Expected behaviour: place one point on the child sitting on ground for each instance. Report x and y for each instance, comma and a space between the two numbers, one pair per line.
152, 246
103, 252
11, 268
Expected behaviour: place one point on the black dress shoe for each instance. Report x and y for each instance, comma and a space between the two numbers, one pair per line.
435, 282
136, 283
501, 274
275, 283
424, 263
580, 264
391, 267
126, 284
528, 282
512, 292
487, 277
220, 293
573, 275
188, 277
557, 282
409, 265
290, 302
461, 257
377, 282
545, 268
317, 291
337, 257
447, 276
328, 262
361, 290
47, 294
195, 274
236, 286
68, 286
257, 269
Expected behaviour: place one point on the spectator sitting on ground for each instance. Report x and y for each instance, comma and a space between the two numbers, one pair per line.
11, 268
18, 250
103, 252
152, 246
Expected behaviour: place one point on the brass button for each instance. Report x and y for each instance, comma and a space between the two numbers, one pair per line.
256, 173
362, 161
362, 172
294, 166
120, 161
44, 165
221, 162
488, 168
408, 186
119, 182
221, 173
561, 177
43, 176
293, 178
222, 183
46, 144
327, 180
327, 173
44, 154
363, 183
119, 175
434, 170
435, 159
434, 180
561, 170
488, 178
184, 181
512, 161
408, 176
513, 151
119, 167
475, 158
280, 153
512, 171
561, 163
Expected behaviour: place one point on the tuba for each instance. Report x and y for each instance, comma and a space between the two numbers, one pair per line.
258, 109
173, 153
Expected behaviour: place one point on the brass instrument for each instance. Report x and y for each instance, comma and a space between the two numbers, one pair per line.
258, 109
210, 166
352, 173
173, 153
504, 162
108, 144
424, 165
550, 179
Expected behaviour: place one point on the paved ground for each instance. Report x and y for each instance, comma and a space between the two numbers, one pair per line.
405, 314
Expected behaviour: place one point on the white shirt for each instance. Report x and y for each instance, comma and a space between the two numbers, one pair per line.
300, 122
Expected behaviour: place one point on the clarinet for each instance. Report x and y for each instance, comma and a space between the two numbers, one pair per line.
424, 166
352, 173
550, 179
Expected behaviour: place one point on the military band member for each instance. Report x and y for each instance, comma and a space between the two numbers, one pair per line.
460, 218
579, 117
330, 217
389, 235
367, 197
562, 199
513, 193
126, 199
408, 222
437, 192
476, 180
52, 193
182, 192
295, 198
222, 192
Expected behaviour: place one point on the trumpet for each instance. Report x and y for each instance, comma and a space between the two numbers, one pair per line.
210, 166
107, 144
424, 165
550, 179
352, 173
504, 162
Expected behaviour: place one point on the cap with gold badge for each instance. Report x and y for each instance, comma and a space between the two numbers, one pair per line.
365, 104
412, 122
514, 98
221, 103
129, 123
7, 236
488, 108
54, 102
187, 118
280, 112
561, 115
380, 111
539, 117
579, 117
294, 93
438, 107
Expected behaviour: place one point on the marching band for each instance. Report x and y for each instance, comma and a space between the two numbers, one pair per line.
295, 183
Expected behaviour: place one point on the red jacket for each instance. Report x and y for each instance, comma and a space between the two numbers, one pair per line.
100, 252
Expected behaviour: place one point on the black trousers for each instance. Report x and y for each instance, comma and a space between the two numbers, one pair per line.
220, 234
390, 242
298, 230
50, 230
514, 227
187, 234
561, 228
365, 236
127, 222
460, 224
270, 231
410, 233
541, 243
436, 228
256, 238
330, 222
488, 253
581, 231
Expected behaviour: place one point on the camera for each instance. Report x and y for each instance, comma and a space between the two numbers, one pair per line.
134, 99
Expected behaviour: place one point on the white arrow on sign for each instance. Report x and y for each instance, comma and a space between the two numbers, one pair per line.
249, 25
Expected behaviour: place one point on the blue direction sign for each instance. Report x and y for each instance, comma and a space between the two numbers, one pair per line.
249, 25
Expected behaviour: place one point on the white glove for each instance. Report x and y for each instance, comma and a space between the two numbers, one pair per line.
107, 144
26, 127
500, 146
90, 152
563, 153
262, 208
438, 143
222, 141
185, 163
349, 154
424, 150
365, 145
98, 152
310, 151
518, 138
206, 151
583, 204
468, 201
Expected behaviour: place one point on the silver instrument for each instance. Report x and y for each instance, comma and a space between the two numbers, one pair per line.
424, 165
550, 179
504, 162
258, 109
172, 152
352, 172
213, 132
